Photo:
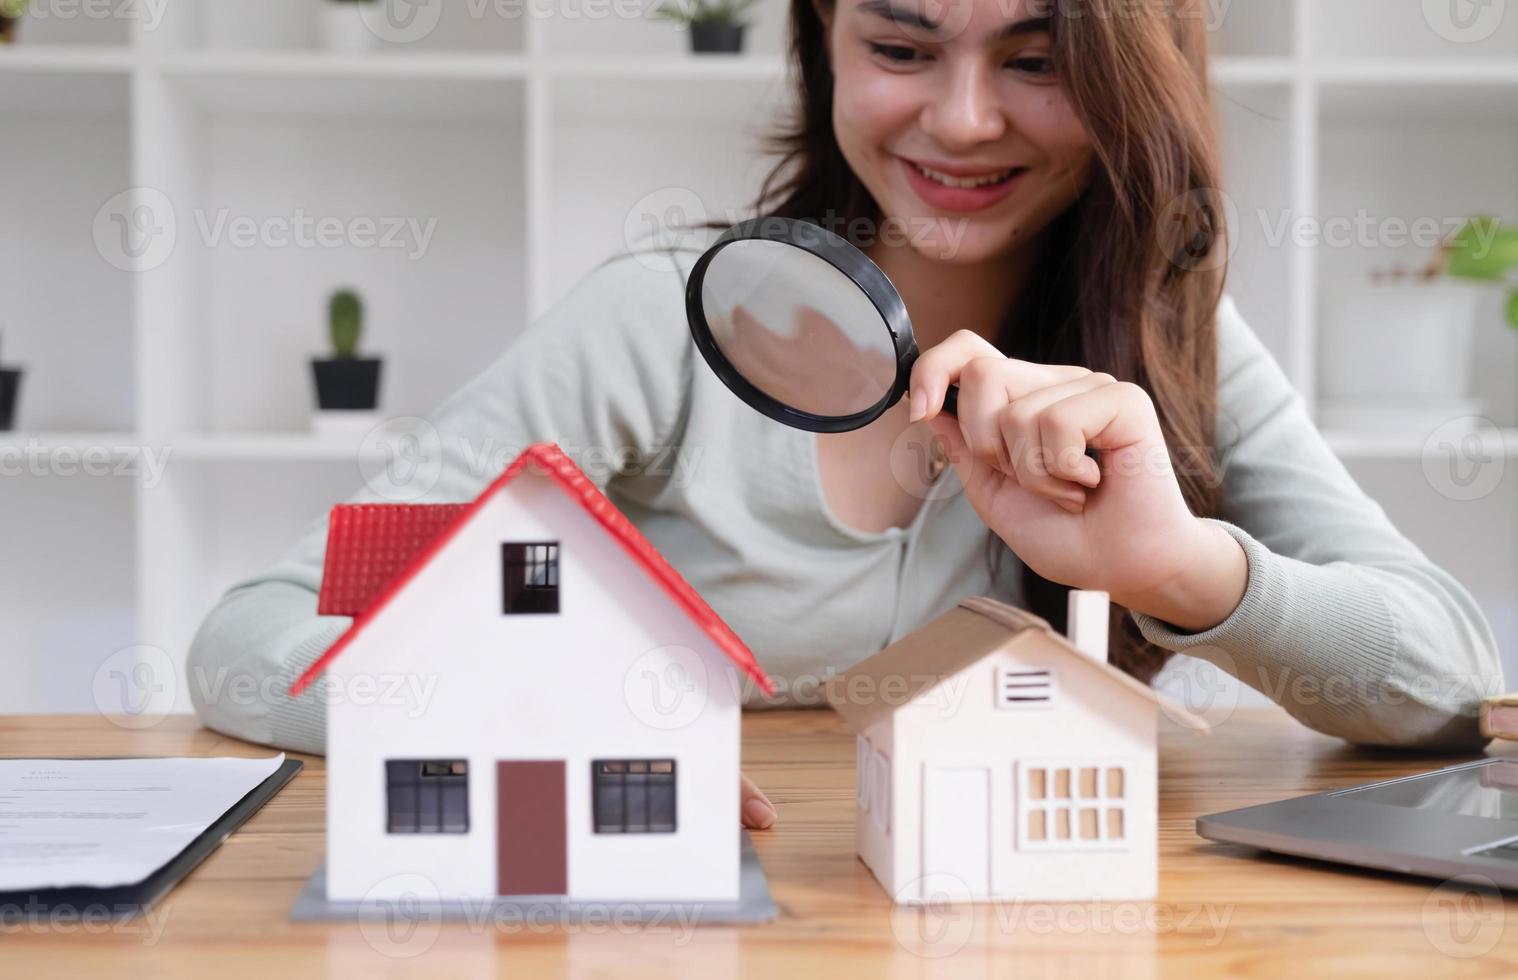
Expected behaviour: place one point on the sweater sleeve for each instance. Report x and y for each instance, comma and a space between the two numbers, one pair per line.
1344, 622
605, 373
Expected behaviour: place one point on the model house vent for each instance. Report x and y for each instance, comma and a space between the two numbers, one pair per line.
1024, 687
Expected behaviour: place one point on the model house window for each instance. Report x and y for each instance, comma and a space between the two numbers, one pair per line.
633, 796
1072, 807
1024, 687
427, 796
530, 577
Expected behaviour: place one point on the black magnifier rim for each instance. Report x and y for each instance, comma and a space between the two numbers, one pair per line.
844, 257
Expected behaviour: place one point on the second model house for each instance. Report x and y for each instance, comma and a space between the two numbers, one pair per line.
999, 761
570, 721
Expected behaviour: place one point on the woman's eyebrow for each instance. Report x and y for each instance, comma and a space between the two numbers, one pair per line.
913, 18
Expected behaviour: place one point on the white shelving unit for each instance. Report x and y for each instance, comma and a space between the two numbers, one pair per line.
528, 149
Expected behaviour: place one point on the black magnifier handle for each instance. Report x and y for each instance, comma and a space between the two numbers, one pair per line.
951, 401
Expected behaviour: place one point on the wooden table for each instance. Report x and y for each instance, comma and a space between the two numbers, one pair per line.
1223, 910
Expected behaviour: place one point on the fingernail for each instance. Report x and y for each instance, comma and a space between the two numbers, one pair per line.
758, 812
919, 405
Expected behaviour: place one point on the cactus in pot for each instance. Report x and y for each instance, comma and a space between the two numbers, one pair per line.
10, 388
346, 382
10, 18
345, 322
716, 26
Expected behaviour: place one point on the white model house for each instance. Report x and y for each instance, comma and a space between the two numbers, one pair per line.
530, 701
999, 761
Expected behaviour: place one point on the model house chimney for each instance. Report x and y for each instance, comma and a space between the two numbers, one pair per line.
1086, 623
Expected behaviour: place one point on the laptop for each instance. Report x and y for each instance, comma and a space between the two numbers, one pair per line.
1456, 821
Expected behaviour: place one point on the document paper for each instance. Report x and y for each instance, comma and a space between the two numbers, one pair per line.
104, 822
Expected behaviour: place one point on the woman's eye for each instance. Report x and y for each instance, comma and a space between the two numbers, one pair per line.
895, 53
1033, 66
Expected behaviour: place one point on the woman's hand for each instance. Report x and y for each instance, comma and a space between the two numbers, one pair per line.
1122, 525
755, 809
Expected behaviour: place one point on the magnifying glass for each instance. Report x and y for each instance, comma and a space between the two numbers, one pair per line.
801, 325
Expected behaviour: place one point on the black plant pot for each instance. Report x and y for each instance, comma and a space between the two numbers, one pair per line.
716, 36
10, 387
8, 29
347, 383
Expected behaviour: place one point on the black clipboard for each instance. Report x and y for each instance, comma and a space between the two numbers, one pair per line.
118, 903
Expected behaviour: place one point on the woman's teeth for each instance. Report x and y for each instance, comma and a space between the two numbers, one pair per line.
950, 181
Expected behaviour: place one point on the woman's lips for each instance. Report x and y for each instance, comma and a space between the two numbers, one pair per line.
962, 199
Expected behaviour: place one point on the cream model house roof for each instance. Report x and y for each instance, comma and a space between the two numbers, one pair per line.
961, 638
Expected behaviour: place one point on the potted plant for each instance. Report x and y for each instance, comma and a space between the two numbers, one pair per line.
715, 25
1428, 317
1484, 251
344, 27
10, 388
10, 17
346, 384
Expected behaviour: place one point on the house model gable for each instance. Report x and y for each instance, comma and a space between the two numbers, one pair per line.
375, 550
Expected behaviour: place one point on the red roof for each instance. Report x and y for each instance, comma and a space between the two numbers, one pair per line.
375, 550
368, 545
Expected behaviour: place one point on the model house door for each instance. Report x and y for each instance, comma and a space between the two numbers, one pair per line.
531, 856
956, 832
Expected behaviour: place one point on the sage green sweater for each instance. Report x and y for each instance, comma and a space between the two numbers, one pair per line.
1344, 621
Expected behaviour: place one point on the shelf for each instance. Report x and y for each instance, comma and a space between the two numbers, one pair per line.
1410, 30
67, 313
1458, 92
1254, 71
322, 64
669, 67
53, 91
1413, 445
291, 87
425, 214
252, 447
65, 58
69, 585
117, 445
219, 26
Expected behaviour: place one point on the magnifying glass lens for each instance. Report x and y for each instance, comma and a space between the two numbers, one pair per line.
798, 329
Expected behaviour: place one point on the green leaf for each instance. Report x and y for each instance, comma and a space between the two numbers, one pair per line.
1483, 250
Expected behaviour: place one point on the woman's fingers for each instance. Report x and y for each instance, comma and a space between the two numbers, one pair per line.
946, 363
1051, 463
757, 811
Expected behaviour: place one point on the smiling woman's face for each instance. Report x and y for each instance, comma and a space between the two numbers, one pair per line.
952, 116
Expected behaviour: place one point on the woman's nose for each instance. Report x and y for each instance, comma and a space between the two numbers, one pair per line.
968, 112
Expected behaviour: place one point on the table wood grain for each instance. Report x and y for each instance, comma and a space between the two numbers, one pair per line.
1222, 911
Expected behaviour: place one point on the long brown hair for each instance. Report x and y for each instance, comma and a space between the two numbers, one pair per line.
1130, 275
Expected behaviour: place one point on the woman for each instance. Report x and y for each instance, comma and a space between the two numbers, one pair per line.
1048, 173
